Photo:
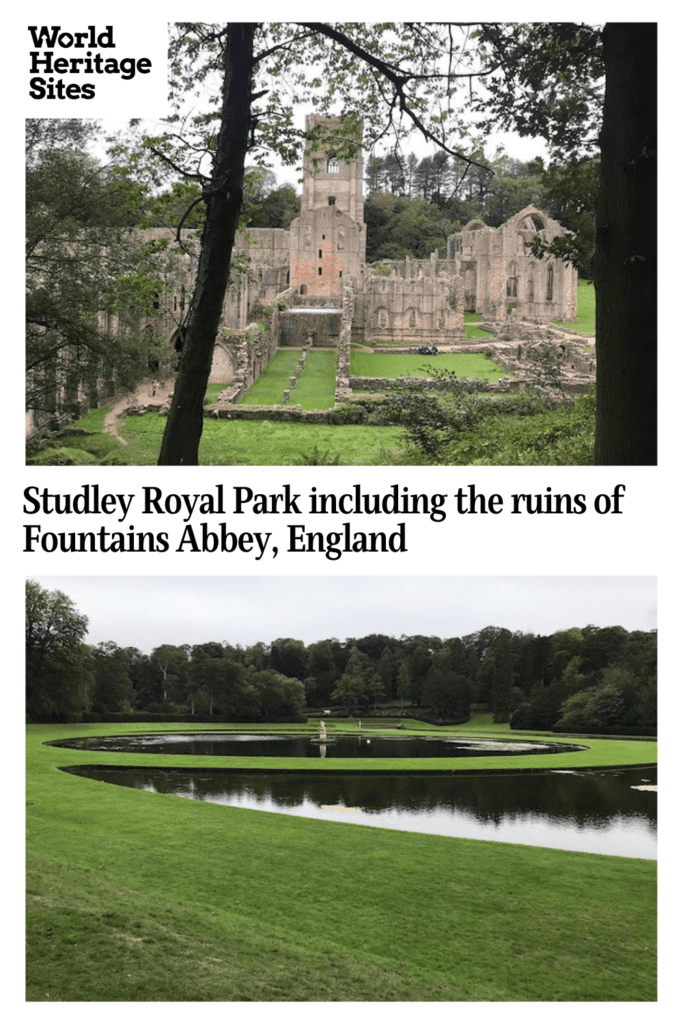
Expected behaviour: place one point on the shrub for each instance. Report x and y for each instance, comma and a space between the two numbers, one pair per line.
347, 413
63, 456
318, 458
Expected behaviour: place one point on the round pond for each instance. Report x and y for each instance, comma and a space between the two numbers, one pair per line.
250, 745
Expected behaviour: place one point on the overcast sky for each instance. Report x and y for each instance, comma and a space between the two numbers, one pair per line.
514, 145
146, 611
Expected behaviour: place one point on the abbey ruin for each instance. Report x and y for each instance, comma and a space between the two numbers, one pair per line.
323, 293
310, 286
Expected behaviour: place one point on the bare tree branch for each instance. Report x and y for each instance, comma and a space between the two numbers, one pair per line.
398, 81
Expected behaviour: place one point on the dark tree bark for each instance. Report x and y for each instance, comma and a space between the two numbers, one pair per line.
626, 251
180, 445
223, 198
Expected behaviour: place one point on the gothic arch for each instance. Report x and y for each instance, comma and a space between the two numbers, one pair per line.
512, 282
383, 318
474, 225
531, 220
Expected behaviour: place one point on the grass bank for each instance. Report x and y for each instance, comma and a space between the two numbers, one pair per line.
563, 437
135, 896
263, 442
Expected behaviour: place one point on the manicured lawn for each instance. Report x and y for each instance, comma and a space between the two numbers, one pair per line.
267, 389
474, 333
136, 896
585, 310
315, 387
386, 364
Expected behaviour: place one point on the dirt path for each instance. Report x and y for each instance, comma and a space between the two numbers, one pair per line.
146, 395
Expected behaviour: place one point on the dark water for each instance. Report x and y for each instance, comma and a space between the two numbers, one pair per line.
595, 812
236, 745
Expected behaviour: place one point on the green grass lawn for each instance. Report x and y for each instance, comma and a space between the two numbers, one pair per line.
463, 364
212, 393
136, 896
263, 442
563, 437
267, 389
585, 310
474, 333
315, 388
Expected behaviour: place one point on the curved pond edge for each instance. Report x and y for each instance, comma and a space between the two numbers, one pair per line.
75, 769
598, 754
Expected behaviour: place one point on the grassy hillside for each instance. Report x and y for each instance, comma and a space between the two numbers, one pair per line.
136, 896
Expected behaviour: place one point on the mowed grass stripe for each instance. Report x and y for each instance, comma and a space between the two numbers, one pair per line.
315, 387
267, 389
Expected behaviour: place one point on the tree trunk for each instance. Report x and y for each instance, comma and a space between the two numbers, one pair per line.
626, 251
180, 445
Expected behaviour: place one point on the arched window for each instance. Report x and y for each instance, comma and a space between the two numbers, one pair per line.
512, 281
549, 286
333, 165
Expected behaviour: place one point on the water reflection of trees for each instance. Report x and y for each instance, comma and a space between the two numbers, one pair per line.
584, 800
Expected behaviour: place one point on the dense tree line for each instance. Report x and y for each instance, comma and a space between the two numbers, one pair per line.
589, 679
413, 205
90, 280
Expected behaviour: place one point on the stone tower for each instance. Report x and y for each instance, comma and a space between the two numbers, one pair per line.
327, 241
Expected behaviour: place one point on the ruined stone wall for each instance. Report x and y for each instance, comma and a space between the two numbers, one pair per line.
259, 272
420, 301
239, 357
498, 271
319, 328
342, 388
